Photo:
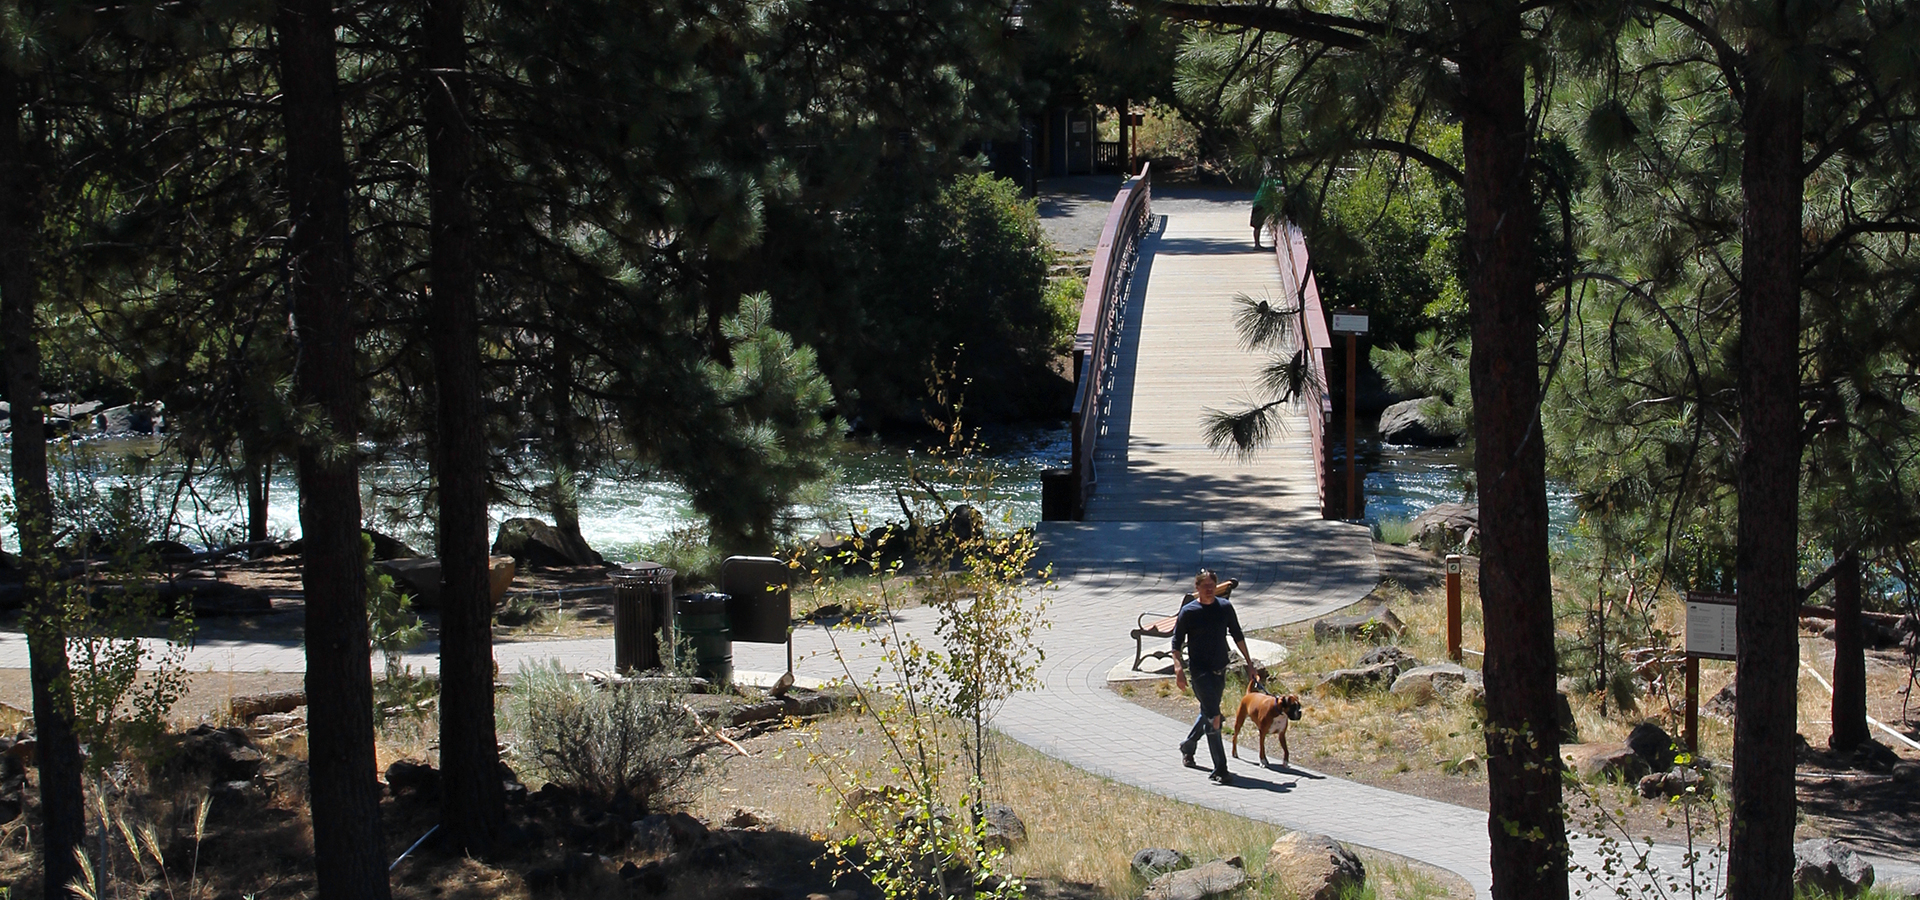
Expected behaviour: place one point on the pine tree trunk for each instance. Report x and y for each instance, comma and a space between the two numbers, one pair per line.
1760, 857
259, 482
473, 804
1529, 852
348, 854
1849, 660
63, 807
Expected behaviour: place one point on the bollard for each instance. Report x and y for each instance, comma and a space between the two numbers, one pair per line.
1453, 606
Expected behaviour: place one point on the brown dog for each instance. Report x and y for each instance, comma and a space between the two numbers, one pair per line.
1268, 712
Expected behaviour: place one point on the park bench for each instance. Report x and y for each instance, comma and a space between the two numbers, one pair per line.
1160, 626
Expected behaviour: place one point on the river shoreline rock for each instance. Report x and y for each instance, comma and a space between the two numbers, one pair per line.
1415, 423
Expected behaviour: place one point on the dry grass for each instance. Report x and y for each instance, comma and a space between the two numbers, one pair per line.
1373, 727
1083, 829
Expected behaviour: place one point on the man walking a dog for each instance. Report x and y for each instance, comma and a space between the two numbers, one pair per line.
1203, 627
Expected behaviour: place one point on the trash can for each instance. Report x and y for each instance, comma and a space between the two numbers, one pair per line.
702, 642
761, 608
1057, 494
642, 610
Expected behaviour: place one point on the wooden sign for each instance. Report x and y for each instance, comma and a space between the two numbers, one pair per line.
1711, 632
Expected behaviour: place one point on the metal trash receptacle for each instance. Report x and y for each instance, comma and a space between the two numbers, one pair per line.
642, 615
761, 610
702, 641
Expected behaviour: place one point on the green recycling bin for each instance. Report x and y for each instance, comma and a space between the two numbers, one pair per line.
703, 642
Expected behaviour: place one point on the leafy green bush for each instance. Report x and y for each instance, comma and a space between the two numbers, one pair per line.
626, 746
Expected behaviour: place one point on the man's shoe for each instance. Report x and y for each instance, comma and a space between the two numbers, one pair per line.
1186, 759
1221, 778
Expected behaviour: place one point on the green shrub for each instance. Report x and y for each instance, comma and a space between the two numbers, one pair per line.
1393, 530
627, 746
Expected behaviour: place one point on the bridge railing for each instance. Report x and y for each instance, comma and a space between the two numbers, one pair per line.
1100, 315
1290, 249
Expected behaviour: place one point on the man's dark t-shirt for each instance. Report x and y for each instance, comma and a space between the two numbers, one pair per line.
1208, 626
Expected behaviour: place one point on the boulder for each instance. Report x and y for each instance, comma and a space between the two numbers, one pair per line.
1391, 655
1604, 762
1439, 680
1654, 745
1417, 423
1155, 861
1675, 782
742, 817
226, 754
1315, 867
408, 776
1447, 525
1827, 865
1002, 828
1210, 879
1721, 705
1378, 623
81, 411
1353, 681
386, 546
532, 542
133, 418
417, 576
209, 598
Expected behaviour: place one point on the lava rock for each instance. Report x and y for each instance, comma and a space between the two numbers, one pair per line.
1155, 861
1828, 865
1354, 681
1378, 623
419, 779
1654, 745
1400, 659
227, 754
1003, 827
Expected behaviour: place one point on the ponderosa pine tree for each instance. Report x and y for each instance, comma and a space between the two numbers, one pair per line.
348, 853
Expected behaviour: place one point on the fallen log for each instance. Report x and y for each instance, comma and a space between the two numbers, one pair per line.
248, 708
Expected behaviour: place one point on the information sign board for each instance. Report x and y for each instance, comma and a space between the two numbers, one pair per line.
1711, 630
1347, 321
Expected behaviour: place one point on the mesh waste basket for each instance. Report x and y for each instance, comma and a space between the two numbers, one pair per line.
642, 610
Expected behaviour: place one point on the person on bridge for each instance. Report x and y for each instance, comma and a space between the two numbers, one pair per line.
1205, 622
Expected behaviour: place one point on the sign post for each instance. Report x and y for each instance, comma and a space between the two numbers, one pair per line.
1711, 634
1352, 323
1454, 561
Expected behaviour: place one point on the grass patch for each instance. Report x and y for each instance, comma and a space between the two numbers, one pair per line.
1393, 530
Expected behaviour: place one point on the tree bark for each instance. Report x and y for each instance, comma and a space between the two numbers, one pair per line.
62, 800
1849, 660
1525, 822
473, 804
348, 854
1760, 856
259, 483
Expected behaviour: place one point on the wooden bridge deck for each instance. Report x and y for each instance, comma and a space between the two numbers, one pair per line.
1179, 356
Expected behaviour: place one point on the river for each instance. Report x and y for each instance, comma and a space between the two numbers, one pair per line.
619, 515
